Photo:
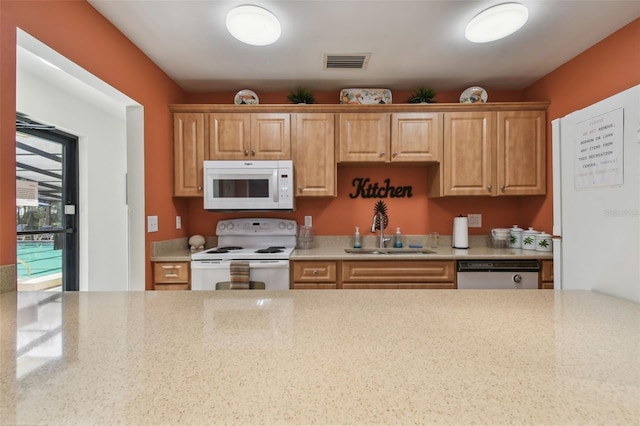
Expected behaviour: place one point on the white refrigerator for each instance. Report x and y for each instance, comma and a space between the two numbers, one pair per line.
596, 193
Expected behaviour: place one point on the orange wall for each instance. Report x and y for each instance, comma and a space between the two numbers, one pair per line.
605, 69
76, 30
415, 215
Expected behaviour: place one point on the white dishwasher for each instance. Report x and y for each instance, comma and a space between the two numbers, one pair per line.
514, 274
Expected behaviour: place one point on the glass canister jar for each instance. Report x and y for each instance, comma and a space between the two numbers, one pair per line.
529, 239
515, 240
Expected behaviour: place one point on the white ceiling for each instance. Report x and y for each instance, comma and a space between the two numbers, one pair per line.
412, 43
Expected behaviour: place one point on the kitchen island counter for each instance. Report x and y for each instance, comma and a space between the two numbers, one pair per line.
314, 357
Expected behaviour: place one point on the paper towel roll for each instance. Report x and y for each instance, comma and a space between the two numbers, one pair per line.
460, 233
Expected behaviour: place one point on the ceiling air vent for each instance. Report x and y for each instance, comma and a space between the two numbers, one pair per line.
356, 61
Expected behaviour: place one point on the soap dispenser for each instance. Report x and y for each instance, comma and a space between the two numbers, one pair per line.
356, 238
397, 242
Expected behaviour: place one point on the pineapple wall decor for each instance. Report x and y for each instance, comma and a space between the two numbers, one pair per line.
380, 218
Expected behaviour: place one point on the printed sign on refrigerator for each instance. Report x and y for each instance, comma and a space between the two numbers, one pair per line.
599, 155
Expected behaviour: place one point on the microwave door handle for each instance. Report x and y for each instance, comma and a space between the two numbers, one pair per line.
275, 184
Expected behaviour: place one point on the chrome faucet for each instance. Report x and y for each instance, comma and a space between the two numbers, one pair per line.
383, 240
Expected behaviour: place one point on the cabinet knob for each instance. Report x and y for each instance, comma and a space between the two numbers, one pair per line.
199, 188
489, 187
315, 272
246, 152
300, 189
502, 188
382, 153
395, 154
253, 152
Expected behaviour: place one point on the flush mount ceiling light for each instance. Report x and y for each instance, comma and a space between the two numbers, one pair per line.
496, 22
253, 25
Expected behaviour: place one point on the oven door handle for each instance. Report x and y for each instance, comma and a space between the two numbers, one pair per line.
270, 264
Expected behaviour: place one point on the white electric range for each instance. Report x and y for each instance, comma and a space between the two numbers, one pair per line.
265, 244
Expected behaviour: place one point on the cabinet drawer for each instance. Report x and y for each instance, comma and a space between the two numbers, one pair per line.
546, 273
160, 286
171, 272
312, 286
314, 272
400, 271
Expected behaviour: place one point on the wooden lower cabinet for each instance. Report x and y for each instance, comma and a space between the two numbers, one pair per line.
398, 274
314, 275
171, 275
546, 275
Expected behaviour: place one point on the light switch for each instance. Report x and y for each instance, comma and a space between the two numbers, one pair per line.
308, 221
152, 223
178, 222
475, 220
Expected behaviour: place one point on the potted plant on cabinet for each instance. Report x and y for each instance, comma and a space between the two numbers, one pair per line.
301, 96
422, 95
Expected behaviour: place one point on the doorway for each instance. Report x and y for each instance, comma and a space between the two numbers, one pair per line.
46, 207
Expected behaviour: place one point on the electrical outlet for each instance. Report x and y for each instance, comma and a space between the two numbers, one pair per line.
308, 221
178, 222
475, 220
152, 223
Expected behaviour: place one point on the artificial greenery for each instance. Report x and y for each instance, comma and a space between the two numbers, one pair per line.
422, 95
301, 96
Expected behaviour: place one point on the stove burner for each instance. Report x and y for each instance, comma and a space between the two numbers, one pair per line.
273, 249
217, 251
230, 248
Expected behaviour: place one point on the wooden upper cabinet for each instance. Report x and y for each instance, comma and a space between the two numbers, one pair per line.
468, 161
364, 137
521, 148
257, 136
313, 152
188, 154
416, 136
493, 153
384, 138
229, 136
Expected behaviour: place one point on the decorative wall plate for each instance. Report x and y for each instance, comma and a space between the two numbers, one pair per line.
247, 97
473, 94
365, 96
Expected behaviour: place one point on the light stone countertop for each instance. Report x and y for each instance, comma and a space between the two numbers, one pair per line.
333, 248
487, 357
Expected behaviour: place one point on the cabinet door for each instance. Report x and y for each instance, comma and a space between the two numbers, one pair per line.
416, 137
469, 153
229, 136
188, 154
313, 155
521, 153
364, 137
270, 136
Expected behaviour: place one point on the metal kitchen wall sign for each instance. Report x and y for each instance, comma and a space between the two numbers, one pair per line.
365, 189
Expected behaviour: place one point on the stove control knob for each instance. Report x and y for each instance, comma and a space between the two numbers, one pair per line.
290, 226
230, 225
282, 225
222, 226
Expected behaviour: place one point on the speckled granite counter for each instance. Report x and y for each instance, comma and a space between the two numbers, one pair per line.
333, 247
316, 357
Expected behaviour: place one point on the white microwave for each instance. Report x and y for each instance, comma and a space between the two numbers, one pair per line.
248, 185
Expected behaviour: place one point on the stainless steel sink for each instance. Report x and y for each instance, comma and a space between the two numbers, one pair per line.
388, 251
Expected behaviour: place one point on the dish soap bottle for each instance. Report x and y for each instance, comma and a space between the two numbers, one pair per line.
356, 238
397, 242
